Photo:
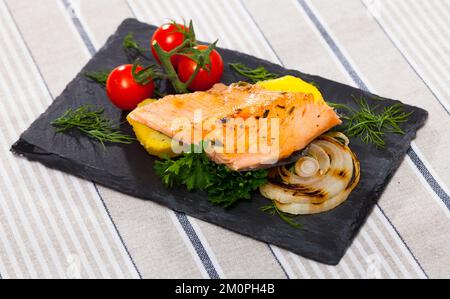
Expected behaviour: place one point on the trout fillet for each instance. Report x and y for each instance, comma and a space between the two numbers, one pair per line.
249, 126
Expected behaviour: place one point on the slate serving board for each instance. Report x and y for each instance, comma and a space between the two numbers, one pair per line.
129, 169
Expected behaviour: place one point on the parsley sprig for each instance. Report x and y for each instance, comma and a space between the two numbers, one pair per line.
91, 122
197, 172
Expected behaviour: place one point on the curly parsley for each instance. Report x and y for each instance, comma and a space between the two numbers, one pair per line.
197, 172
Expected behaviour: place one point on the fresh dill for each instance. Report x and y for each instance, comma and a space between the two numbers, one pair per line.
371, 124
255, 75
338, 106
273, 210
129, 43
99, 77
91, 122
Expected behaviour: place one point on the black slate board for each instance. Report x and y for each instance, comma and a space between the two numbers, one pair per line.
129, 169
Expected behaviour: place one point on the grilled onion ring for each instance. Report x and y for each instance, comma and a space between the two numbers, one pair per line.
318, 182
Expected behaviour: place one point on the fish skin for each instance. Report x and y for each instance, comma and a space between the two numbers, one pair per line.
301, 118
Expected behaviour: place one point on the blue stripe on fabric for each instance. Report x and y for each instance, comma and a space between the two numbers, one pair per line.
354, 75
403, 241
329, 40
407, 61
279, 262
182, 218
79, 26
189, 229
89, 45
198, 246
351, 71
279, 60
429, 177
117, 230
52, 97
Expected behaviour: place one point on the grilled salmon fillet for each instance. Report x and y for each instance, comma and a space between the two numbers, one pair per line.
266, 126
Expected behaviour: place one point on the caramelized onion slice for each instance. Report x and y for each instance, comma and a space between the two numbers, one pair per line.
318, 182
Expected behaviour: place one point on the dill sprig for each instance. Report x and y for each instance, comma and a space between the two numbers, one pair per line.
273, 210
338, 106
99, 77
371, 124
91, 122
129, 43
255, 75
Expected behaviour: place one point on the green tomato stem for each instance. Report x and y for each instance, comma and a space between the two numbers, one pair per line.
172, 76
179, 48
192, 78
165, 58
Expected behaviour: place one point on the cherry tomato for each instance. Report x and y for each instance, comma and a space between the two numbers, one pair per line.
205, 79
168, 36
124, 91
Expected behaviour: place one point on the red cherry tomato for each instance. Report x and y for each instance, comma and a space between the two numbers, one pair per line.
124, 91
205, 79
168, 37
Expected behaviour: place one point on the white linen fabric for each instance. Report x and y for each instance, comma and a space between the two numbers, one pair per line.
53, 225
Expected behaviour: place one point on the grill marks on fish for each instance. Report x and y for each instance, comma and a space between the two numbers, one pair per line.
296, 114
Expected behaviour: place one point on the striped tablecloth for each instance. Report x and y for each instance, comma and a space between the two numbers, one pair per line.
53, 225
